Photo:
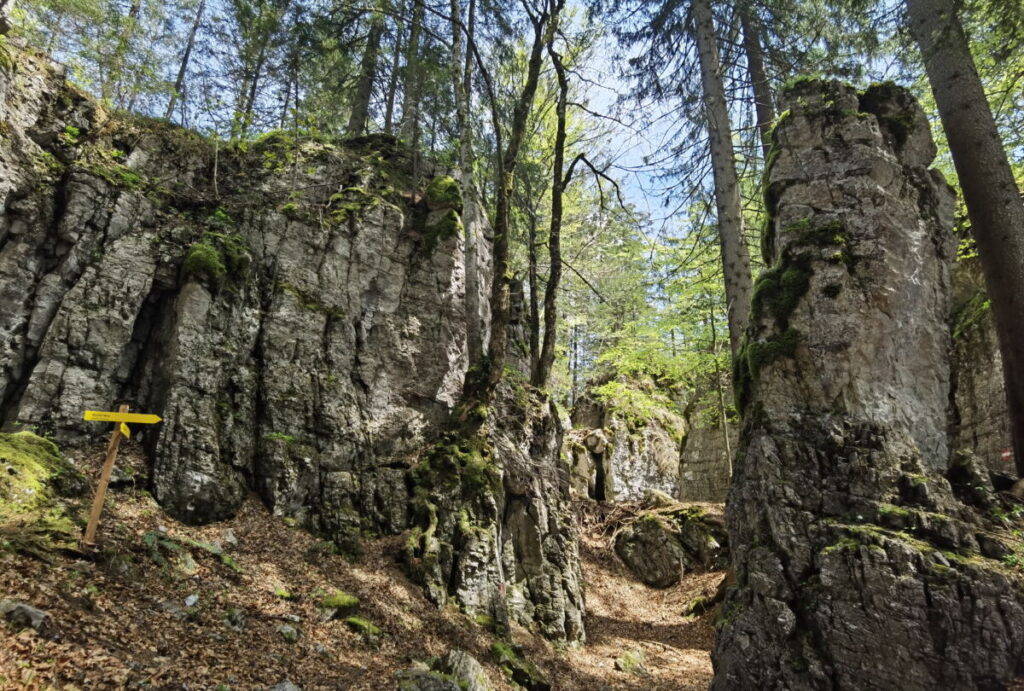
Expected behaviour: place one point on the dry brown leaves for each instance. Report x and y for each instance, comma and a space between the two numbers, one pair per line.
121, 620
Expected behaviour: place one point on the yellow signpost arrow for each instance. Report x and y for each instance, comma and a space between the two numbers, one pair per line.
121, 417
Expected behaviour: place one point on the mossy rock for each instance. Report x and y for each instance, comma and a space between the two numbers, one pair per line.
632, 662
443, 192
521, 671
439, 226
205, 264
351, 202
463, 462
288, 633
217, 258
370, 632
754, 356
340, 604
34, 477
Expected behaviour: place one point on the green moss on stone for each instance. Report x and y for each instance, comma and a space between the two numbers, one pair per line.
462, 461
443, 192
370, 632
204, 262
522, 672
340, 601
351, 202
446, 227
217, 258
754, 356
33, 477
778, 291
762, 353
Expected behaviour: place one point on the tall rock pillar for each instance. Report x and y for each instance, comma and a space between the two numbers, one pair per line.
858, 564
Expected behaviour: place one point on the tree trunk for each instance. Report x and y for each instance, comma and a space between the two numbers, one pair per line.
547, 351
764, 107
107, 88
409, 130
396, 61
723, 417
531, 251
367, 75
462, 76
179, 82
993, 200
735, 255
503, 192
253, 90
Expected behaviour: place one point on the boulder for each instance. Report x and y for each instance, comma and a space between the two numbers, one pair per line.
661, 545
22, 615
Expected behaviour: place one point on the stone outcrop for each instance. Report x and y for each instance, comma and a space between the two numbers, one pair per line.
668, 539
620, 451
494, 527
981, 420
299, 326
630, 437
858, 565
293, 310
704, 461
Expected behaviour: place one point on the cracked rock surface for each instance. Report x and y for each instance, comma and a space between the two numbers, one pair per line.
866, 556
293, 312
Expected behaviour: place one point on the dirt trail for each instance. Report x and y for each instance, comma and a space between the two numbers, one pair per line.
624, 615
122, 621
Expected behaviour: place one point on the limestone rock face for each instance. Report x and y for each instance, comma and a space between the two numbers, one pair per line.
981, 419
300, 325
494, 527
300, 328
705, 461
856, 564
617, 456
294, 315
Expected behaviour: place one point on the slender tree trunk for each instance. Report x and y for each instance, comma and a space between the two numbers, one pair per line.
575, 363
367, 75
252, 92
547, 351
764, 102
396, 61
503, 193
409, 130
735, 255
990, 192
462, 74
531, 252
179, 82
721, 394
123, 46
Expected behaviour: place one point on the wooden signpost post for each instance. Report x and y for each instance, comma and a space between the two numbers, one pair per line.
120, 420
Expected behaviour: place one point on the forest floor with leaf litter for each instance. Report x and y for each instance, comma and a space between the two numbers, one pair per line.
122, 619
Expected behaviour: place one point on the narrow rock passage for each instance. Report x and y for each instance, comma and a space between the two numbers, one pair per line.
626, 616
